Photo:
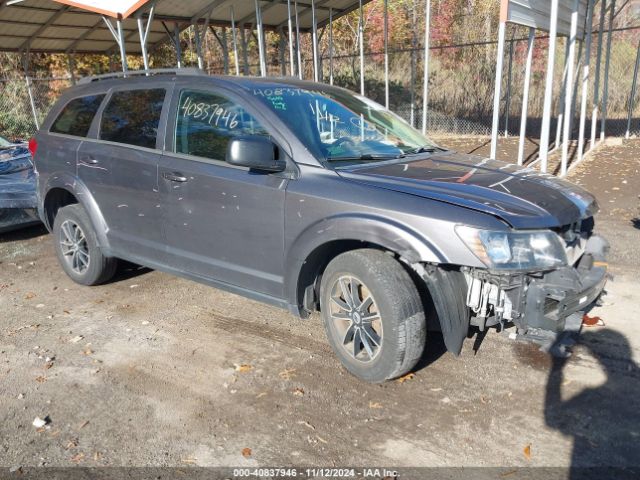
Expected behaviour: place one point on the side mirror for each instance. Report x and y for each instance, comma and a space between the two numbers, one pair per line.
254, 151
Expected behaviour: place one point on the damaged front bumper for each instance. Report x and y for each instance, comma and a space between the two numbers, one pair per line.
540, 305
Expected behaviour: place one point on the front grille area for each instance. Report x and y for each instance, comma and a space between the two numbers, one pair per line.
574, 237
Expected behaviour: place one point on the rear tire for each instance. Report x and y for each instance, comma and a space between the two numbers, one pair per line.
373, 315
77, 248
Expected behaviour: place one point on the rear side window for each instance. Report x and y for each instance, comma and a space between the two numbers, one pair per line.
206, 122
77, 115
132, 117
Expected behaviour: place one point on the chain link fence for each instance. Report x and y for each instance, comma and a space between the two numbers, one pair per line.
25, 102
461, 84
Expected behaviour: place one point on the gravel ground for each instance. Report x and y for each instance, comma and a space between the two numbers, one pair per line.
152, 370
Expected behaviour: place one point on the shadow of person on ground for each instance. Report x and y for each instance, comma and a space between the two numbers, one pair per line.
604, 421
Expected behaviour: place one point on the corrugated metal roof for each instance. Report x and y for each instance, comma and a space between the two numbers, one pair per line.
54, 27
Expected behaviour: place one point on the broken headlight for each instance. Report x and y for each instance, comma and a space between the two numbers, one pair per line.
541, 249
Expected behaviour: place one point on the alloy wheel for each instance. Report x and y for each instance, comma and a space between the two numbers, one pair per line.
73, 243
356, 319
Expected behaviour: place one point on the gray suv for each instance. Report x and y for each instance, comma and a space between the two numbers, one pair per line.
312, 198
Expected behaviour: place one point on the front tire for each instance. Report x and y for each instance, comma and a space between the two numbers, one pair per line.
372, 314
77, 248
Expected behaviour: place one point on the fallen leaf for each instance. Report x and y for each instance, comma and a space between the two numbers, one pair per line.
589, 321
73, 443
436, 389
298, 392
41, 379
243, 368
77, 458
246, 452
408, 376
527, 451
189, 460
288, 373
83, 424
374, 405
76, 339
321, 439
29, 296
261, 394
88, 351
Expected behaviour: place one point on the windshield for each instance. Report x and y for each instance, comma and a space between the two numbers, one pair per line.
4, 143
341, 128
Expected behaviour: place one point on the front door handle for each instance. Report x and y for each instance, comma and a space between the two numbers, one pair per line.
175, 177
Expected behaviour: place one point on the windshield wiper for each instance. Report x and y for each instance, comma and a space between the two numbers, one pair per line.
425, 149
364, 158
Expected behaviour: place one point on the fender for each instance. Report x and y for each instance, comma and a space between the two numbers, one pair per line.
412, 246
78, 189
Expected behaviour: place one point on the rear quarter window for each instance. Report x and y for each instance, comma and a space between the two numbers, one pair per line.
76, 117
132, 117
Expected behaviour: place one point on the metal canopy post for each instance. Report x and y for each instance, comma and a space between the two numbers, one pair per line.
498, 89
234, 39
561, 99
525, 95
361, 46
200, 35
298, 53
314, 40
548, 89
31, 101
176, 42
118, 35
568, 100
596, 87
607, 62
634, 84
507, 106
143, 30
331, 46
585, 80
425, 87
290, 27
261, 52
385, 15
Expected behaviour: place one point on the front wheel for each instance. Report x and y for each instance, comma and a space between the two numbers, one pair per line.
373, 314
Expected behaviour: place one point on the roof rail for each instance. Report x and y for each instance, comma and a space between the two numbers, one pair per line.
138, 73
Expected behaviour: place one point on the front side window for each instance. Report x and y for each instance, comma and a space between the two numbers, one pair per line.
77, 115
132, 117
341, 128
206, 122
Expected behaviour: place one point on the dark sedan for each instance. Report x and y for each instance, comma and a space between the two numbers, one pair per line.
17, 186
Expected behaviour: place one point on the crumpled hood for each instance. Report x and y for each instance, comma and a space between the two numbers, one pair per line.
17, 185
522, 197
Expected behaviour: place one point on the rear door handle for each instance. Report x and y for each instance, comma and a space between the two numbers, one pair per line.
175, 177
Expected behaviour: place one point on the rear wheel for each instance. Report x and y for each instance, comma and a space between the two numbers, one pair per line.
373, 314
77, 248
